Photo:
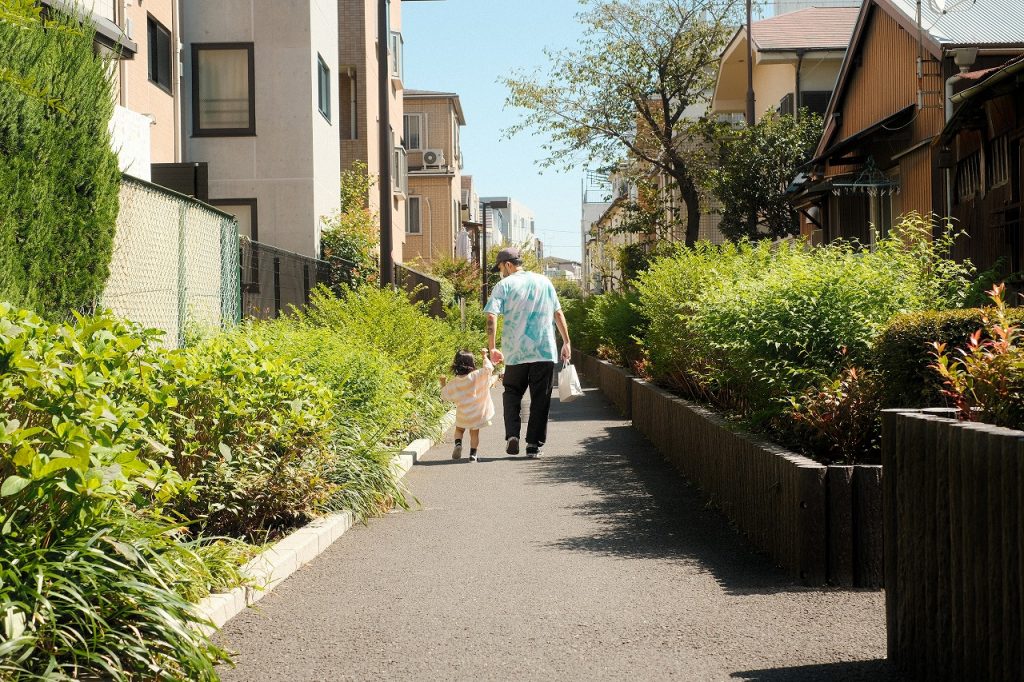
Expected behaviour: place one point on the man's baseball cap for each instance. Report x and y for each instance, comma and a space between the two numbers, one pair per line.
511, 254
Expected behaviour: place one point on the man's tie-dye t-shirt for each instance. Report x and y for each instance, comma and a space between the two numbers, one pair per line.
528, 302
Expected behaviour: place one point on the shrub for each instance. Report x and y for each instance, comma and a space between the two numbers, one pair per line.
90, 586
59, 174
904, 352
350, 238
838, 422
755, 325
614, 325
986, 381
250, 432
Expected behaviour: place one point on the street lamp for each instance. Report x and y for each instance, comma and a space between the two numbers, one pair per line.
497, 203
387, 214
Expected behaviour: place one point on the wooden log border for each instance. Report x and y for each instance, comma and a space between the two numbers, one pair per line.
823, 524
954, 536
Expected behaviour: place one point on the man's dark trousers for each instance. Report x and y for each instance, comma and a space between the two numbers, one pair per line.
539, 378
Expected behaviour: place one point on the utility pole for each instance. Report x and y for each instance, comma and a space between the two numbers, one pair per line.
387, 214
750, 66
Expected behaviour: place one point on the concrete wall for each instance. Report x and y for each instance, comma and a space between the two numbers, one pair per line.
287, 166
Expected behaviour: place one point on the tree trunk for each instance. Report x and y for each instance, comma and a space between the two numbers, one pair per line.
691, 199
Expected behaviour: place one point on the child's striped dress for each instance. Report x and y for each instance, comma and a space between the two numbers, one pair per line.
471, 394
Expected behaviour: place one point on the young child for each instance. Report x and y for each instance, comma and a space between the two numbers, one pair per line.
470, 390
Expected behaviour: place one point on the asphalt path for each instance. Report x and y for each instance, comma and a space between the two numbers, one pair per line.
594, 562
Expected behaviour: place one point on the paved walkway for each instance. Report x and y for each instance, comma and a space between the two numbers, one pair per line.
594, 562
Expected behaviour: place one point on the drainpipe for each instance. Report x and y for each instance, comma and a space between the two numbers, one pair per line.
122, 23
796, 104
964, 57
353, 133
179, 154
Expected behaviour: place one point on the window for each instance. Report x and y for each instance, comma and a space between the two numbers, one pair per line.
787, 105
414, 132
816, 101
244, 211
968, 177
159, 39
223, 97
397, 55
323, 87
412, 216
997, 162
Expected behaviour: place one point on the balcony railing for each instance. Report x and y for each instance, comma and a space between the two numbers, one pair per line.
400, 171
397, 52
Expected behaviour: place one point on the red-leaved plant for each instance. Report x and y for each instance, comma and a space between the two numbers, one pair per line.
985, 379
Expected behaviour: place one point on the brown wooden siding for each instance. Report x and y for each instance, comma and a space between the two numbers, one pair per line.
916, 182
886, 81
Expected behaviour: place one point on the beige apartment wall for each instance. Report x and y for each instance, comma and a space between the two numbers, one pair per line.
772, 82
819, 74
439, 195
141, 95
285, 165
440, 116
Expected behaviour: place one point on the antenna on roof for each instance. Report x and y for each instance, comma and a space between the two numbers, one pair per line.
938, 5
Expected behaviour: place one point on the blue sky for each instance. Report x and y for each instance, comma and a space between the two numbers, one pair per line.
463, 46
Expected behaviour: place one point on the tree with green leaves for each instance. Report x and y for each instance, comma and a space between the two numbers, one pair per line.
59, 174
754, 166
350, 240
633, 90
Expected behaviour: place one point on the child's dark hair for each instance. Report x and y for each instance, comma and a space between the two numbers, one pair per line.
464, 363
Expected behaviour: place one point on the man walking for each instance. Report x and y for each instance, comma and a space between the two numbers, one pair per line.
529, 305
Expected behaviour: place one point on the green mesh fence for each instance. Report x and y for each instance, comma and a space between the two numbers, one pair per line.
175, 264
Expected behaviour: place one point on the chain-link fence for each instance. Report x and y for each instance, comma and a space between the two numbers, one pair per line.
274, 279
175, 262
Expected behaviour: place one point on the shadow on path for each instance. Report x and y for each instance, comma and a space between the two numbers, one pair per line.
878, 669
644, 507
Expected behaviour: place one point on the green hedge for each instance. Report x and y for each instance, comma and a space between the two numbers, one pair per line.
903, 353
119, 460
59, 175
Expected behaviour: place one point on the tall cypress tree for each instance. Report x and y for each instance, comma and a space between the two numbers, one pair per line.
59, 176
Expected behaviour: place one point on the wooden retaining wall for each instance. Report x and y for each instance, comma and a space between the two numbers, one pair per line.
823, 524
954, 547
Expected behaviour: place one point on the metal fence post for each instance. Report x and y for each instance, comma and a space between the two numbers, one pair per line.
182, 278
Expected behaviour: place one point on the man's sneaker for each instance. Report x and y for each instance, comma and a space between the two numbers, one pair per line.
457, 452
512, 446
472, 456
533, 451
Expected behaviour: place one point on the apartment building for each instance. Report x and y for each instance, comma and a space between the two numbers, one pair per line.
431, 134
261, 111
515, 220
359, 102
145, 128
797, 57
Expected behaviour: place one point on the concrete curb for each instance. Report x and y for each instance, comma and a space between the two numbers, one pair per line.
272, 566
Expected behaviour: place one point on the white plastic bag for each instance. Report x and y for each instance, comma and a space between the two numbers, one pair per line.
568, 384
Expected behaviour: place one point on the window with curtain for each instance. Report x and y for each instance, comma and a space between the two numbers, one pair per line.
223, 100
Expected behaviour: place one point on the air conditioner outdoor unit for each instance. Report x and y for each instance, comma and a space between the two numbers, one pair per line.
433, 157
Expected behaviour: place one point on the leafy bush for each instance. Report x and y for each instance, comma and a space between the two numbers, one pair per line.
59, 174
350, 239
250, 431
614, 325
90, 585
904, 352
838, 421
754, 325
986, 381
